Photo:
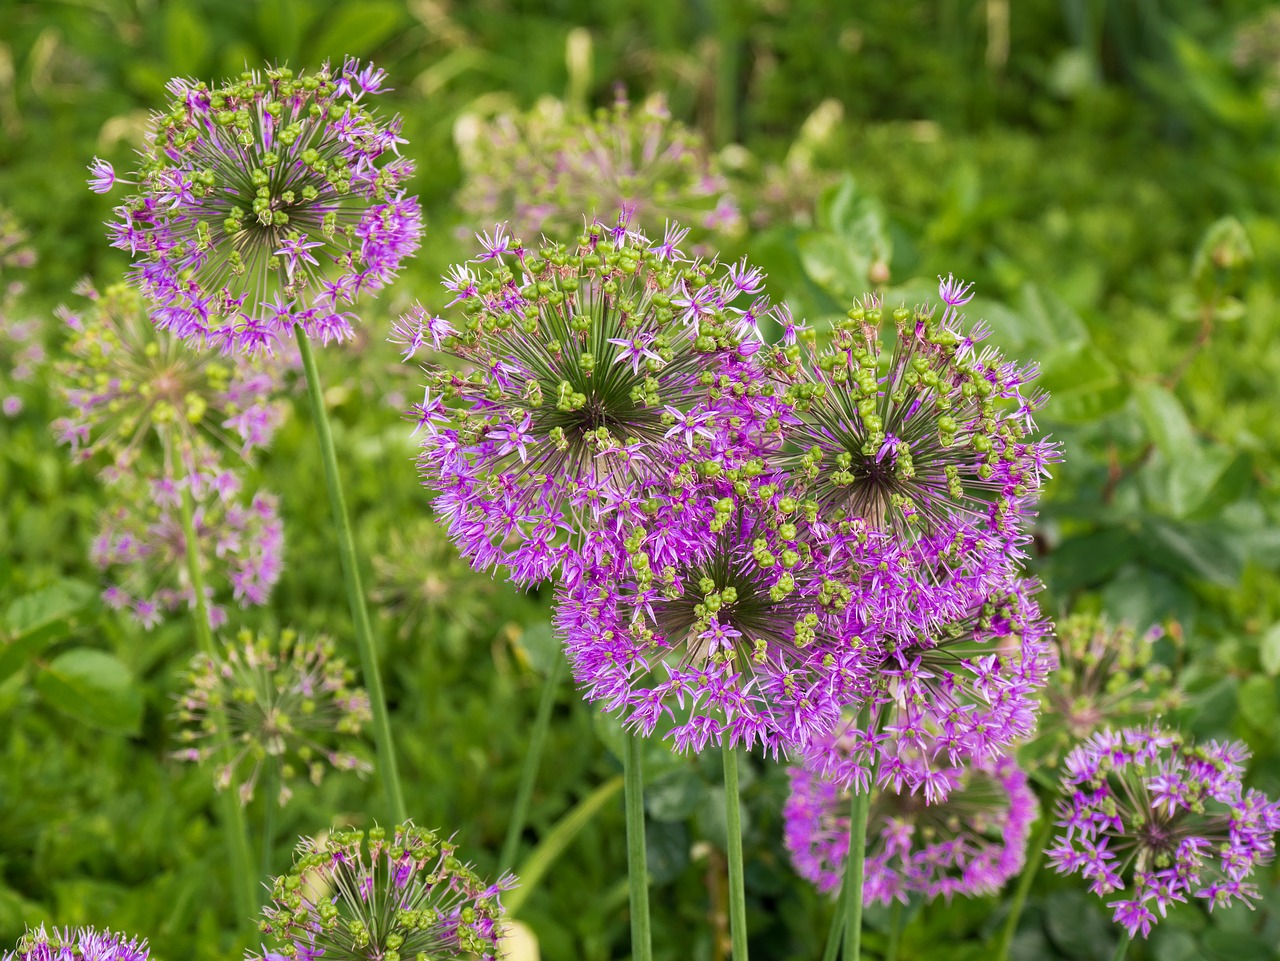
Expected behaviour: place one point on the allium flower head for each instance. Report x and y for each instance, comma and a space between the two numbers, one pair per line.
715, 614
357, 897
143, 549
269, 201
1106, 677
1152, 819
968, 844
967, 689
939, 430
544, 169
130, 386
586, 374
82, 944
287, 702
21, 348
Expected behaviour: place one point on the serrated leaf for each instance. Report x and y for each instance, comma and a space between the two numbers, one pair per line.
35, 620
1166, 423
94, 687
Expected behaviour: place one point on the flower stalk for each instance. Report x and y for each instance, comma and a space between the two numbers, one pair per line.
737, 887
387, 768
637, 868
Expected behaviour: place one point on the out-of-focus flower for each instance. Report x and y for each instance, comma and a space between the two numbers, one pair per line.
1106, 677
287, 702
22, 350
970, 844
82, 944
1152, 819
543, 170
142, 546
352, 897
271, 201
129, 385
588, 374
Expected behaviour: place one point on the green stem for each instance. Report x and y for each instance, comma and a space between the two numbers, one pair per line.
895, 931
836, 930
270, 801
733, 825
1029, 871
1122, 948
387, 769
244, 890
637, 867
859, 807
532, 760
726, 95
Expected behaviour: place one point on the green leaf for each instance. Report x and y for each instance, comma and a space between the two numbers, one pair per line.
1269, 650
1083, 384
540, 646
674, 796
93, 687
1049, 320
1076, 926
835, 265
356, 30
1257, 701
1166, 422
1237, 946
666, 849
1195, 550
35, 620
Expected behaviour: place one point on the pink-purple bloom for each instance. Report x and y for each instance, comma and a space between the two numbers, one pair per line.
81, 944
587, 374
969, 844
269, 202
142, 545
352, 896
1150, 819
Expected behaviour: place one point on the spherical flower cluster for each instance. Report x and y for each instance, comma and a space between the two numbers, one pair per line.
129, 385
377, 898
142, 545
286, 701
1106, 677
265, 203
544, 169
587, 375
82, 944
21, 349
719, 614
968, 690
969, 844
1152, 819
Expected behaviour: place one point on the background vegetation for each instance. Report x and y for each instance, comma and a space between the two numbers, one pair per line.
1075, 158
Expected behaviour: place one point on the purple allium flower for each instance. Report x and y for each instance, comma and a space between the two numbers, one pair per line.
715, 615
287, 701
1106, 677
349, 898
587, 374
22, 351
968, 844
967, 688
82, 944
1151, 819
104, 176
142, 546
267, 202
939, 432
544, 169
129, 385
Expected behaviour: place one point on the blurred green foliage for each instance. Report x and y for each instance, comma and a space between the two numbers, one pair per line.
1105, 171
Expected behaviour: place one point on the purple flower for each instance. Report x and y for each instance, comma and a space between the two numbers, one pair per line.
82, 944
22, 349
968, 844
1154, 820
132, 388
104, 176
350, 897
286, 703
967, 687
578, 370
266, 203
715, 618
542, 170
142, 546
